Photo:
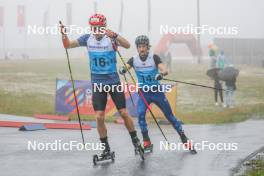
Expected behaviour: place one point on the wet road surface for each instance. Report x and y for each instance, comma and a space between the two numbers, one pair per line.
16, 159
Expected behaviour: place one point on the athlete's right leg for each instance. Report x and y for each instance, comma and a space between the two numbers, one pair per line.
99, 104
141, 110
100, 120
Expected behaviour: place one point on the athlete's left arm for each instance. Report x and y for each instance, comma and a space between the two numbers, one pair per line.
122, 42
162, 69
118, 38
161, 66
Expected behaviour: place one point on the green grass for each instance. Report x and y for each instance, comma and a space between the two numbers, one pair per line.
25, 104
28, 87
257, 168
237, 114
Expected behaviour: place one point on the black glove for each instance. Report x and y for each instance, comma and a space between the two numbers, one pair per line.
122, 70
159, 76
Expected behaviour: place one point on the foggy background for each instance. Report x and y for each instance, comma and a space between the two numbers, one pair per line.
246, 15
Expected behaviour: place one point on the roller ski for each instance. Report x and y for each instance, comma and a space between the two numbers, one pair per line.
187, 143
139, 150
148, 147
106, 155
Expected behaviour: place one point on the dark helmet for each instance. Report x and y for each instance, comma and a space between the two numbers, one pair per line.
142, 39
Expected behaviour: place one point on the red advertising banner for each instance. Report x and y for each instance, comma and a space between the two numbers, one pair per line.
21, 16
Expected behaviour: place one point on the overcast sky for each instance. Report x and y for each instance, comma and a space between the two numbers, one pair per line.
246, 15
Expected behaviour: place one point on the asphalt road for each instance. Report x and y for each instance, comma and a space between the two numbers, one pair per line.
16, 159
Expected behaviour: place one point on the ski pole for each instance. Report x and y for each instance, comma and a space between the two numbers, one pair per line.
193, 84
140, 93
74, 92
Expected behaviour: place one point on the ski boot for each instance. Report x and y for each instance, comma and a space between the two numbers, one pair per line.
106, 155
138, 148
187, 143
148, 146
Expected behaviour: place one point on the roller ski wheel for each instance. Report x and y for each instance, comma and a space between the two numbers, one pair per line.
139, 150
104, 157
188, 144
95, 159
148, 147
193, 151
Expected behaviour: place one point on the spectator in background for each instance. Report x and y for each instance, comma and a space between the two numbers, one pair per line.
218, 91
229, 93
217, 84
213, 59
222, 61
